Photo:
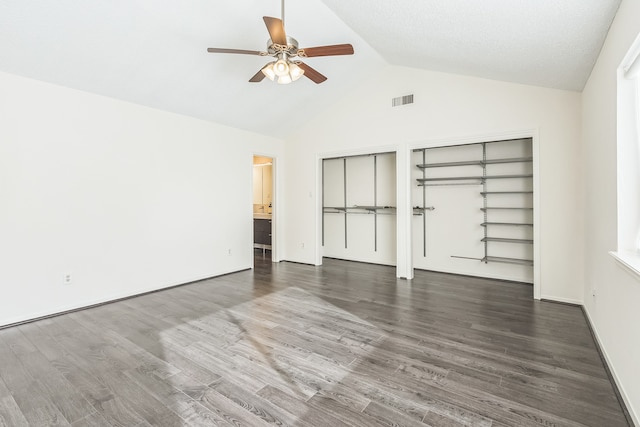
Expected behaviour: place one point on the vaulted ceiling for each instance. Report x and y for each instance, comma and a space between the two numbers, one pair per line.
153, 52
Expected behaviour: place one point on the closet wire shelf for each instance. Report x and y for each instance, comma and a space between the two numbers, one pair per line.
362, 210
473, 178
476, 162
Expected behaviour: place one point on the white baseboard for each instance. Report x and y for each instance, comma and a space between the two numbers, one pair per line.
475, 274
562, 300
614, 375
31, 317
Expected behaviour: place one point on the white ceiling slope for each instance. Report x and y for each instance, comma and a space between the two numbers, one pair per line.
550, 43
153, 52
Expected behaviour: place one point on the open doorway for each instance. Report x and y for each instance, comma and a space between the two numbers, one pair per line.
263, 206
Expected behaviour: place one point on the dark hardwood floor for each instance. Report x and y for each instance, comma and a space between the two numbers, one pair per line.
346, 344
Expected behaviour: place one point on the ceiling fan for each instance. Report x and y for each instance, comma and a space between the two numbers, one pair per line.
284, 50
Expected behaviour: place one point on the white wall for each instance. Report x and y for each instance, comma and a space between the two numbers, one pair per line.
614, 311
125, 198
447, 108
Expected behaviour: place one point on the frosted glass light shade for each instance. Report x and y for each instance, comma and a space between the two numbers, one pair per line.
285, 79
281, 67
295, 71
268, 71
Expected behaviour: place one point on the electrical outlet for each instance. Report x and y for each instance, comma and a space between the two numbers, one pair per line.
302, 245
593, 292
67, 279
229, 252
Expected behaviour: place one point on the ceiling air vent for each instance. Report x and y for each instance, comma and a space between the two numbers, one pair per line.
402, 100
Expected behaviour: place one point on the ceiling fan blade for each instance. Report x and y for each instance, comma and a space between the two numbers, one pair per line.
276, 30
241, 51
258, 77
336, 49
312, 74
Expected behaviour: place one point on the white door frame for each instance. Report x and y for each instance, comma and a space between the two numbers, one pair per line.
529, 133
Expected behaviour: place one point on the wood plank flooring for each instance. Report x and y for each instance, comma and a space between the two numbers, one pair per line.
346, 344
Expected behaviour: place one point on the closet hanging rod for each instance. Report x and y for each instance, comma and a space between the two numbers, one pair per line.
507, 208
451, 178
449, 184
507, 260
369, 208
372, 207
359, 213
511, 224
506, 192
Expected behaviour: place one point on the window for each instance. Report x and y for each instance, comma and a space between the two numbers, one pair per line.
628, 130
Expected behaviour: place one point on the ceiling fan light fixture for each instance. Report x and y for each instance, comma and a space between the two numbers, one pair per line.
268, 71
281, 67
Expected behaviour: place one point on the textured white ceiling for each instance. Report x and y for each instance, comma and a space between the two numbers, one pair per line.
551, 43
153, 52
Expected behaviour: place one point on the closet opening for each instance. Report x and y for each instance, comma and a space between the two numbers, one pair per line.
473, 209
359, 208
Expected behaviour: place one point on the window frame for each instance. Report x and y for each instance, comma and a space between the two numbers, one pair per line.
628, 161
